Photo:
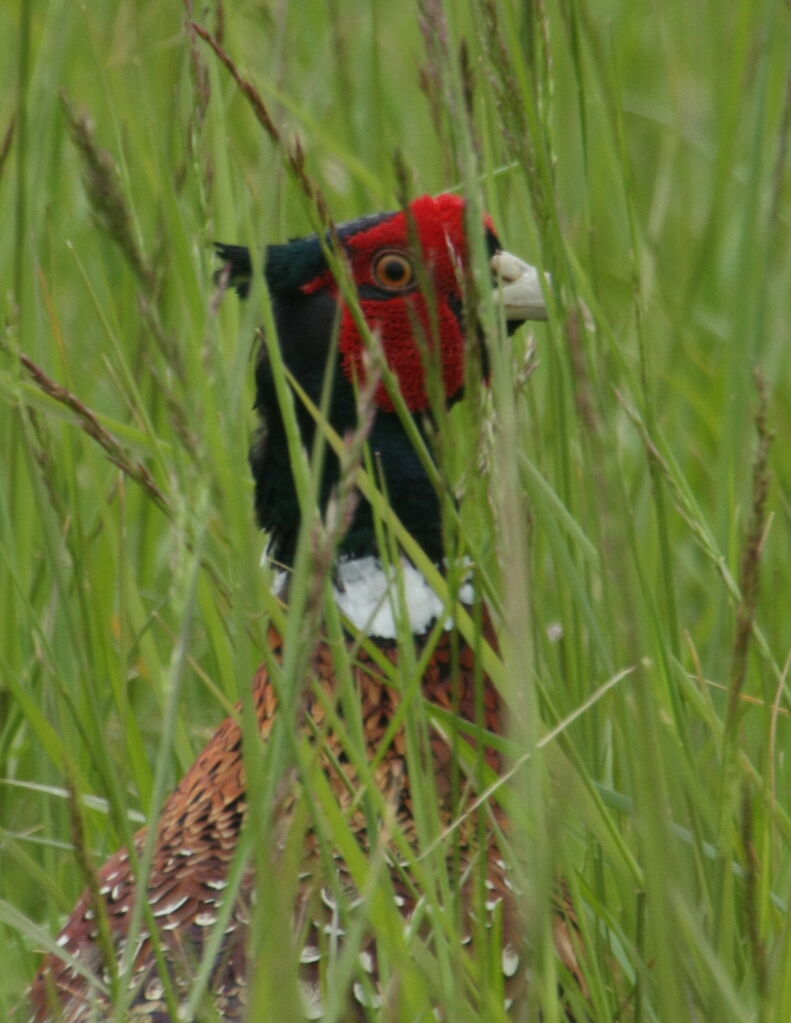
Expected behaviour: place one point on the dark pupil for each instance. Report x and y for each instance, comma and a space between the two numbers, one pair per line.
395, 270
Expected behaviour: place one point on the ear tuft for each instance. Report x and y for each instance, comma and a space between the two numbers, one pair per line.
236, 260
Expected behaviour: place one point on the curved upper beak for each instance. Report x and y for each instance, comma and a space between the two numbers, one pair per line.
520, 289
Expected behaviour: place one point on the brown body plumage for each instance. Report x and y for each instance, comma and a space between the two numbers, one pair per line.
199, 830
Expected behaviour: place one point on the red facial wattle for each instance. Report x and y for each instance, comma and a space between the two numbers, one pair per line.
409, 324
404, 327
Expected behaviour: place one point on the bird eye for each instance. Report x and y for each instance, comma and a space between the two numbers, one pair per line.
393, 270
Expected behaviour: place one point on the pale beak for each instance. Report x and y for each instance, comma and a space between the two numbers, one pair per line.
520, 290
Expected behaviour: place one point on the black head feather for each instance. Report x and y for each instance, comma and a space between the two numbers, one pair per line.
291, 265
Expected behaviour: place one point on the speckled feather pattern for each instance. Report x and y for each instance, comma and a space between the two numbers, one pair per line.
198, 832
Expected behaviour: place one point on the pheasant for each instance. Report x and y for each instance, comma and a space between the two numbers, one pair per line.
409, 269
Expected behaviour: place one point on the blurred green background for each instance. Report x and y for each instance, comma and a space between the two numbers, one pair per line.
639, 152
